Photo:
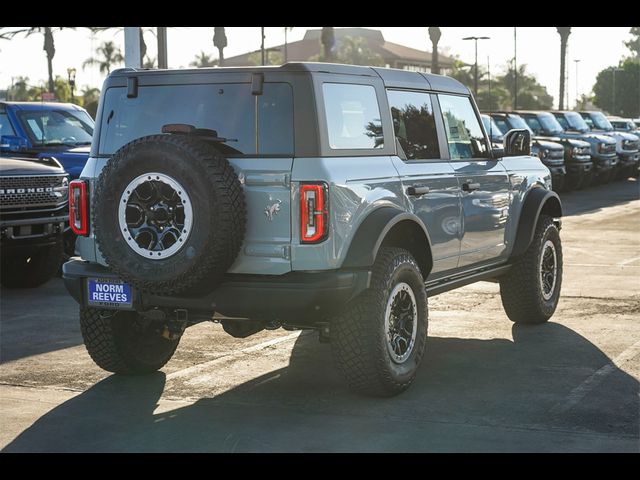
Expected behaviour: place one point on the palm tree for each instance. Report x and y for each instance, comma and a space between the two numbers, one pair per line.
434, 35
204, 60
220, 42
564, 39
108, 55
328, 40
49, 45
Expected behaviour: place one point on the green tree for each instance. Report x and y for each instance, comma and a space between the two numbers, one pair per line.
19, 90
564, 33
107, 56
623, 98
220, 42
531, 95
49, 44
353, 51
203, 60
272, 58
434, 35
634, 43
90, 98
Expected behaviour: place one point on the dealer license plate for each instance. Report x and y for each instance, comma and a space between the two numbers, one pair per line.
108, 293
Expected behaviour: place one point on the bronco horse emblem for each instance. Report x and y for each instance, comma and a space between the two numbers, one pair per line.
272, 210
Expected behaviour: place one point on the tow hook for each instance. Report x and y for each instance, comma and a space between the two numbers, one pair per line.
173, 330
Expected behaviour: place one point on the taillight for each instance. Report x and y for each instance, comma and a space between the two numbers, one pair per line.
78, 205
314, 212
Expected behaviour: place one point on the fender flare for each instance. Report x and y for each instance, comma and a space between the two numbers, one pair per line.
372, 232
537, 201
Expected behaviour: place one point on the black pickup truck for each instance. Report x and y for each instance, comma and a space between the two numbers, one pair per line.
34, 220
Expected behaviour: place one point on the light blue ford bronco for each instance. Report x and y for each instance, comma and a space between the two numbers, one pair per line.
307, 196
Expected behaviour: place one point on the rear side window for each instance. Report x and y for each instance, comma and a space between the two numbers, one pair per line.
229, 109
5, 127
464, 135
414, 124
353, 116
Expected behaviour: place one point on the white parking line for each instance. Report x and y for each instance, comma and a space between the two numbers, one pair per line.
629, 260
186, 372
577, 394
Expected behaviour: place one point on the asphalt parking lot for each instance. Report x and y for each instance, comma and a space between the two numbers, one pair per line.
484, 384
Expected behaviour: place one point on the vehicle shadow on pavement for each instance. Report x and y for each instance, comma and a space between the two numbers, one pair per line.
470, 395
598, 197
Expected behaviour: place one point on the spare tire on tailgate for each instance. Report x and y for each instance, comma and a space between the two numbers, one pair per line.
169, 214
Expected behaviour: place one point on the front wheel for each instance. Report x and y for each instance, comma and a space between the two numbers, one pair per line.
380, 339
31, 269
531, 289
125, 342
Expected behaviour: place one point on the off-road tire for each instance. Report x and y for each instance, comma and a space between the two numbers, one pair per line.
31, 269
521, 290
358, 336
120, 342
218, 204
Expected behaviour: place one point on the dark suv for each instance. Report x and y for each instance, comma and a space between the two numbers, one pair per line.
603, 148
576, 153
551, 153
627, 143
34, 220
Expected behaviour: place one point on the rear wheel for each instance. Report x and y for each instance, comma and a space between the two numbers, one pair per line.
125, 342
380, 339
31, 269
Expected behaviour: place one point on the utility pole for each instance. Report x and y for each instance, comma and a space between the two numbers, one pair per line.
475, 77
515, 69
615, 69
162, 47
132, 47
577, 95
262, 46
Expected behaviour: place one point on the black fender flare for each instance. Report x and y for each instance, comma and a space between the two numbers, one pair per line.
372, 232
537, 201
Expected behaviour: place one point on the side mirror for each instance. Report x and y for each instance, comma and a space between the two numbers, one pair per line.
517, 142
12, 143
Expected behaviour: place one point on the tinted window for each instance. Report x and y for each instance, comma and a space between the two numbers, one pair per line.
502, 124
533, 123
414, 124
5, 126
229, 109
563, 121
464, 134
56, 127
353, 116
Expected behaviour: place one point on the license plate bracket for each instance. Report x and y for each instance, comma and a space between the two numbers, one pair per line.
110, 293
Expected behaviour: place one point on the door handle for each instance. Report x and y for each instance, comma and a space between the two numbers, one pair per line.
470, 187
417, 190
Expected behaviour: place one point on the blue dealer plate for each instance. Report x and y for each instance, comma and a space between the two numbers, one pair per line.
110, 293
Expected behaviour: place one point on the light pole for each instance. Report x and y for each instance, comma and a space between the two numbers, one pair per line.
515, 68
71, 72
262, 52
577, 62
475, 77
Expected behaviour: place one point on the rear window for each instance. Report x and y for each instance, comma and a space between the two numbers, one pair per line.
229, 109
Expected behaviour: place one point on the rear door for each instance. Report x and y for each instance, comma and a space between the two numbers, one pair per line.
428, 181
484, 183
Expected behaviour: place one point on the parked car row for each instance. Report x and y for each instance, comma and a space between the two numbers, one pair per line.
579, 148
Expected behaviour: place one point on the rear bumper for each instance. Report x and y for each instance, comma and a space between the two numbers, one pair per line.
297, 297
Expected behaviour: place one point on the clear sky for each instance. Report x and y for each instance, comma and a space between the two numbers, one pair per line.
538, 47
